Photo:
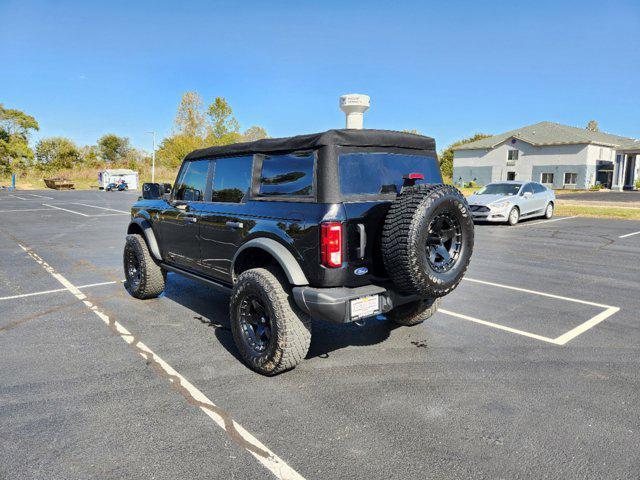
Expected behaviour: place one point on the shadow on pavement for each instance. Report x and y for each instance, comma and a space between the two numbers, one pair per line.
211, 308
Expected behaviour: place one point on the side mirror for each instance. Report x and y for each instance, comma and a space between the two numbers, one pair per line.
527, 195
151, 191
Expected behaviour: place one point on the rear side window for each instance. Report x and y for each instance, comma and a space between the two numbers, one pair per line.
528, 188
231, 179
378, 173
537, 188
192, 182
287, 175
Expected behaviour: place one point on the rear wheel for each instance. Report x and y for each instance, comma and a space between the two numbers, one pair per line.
548, 212
271, 333
414, 313
144, 277
514, 216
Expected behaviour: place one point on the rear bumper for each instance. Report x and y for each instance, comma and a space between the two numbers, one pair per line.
333, 304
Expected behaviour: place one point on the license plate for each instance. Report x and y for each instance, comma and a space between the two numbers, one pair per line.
365, 306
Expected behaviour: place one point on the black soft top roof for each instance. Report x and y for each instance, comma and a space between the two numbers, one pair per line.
342, 137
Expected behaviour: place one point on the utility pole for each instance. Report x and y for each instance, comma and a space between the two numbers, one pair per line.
153, 158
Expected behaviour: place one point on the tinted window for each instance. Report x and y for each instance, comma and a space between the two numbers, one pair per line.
231, 179
500, 189
527, 188
537, 188
367, 173
193, 179
290, 174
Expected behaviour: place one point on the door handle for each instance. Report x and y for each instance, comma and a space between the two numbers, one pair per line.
234, 224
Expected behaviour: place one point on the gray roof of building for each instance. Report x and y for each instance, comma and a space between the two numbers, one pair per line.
630, 145
550, 133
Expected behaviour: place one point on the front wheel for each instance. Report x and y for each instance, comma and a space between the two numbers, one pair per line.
548, 213
414, 313
144, 277
271, 333
514, 216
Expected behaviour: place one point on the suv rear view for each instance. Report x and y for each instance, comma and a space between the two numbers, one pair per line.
337, 226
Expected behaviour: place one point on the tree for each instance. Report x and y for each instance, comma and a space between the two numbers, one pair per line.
57, 153
190, 119
446, 156
174, 148
15, 128
223, 128
592, 126
89, 155
113, 149
193, 129
254, 133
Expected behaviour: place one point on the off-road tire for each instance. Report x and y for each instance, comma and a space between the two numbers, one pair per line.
414, 313
152, 277
511, 220
404, 239
290, 327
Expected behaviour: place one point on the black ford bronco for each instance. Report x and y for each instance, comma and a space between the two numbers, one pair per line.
336, 226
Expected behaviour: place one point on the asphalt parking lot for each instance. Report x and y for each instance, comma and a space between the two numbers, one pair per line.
531, 369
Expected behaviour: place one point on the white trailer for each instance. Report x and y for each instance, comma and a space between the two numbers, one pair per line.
105, 177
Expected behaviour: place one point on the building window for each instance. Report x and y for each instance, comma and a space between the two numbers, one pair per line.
511, 176
570, 178
547, 178
512, 157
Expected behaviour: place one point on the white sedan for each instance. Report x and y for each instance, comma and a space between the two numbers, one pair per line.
510, 201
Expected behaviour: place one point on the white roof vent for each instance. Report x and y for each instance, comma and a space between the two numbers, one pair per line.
354, 105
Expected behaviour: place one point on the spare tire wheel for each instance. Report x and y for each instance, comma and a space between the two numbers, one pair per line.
427, 240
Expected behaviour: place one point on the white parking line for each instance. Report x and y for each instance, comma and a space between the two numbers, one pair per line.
546, 221
57, 290
102, 208
193, 395
562, 339
26, 210
497, 325
629, 235
16, 196
536, 292
66, 210
39, 196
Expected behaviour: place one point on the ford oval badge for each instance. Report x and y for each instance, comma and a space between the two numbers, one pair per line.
361, 271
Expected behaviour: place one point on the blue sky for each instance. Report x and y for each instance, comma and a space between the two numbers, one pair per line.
447, 69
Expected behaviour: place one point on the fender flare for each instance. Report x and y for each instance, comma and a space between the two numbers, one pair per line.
149, 236
283, 256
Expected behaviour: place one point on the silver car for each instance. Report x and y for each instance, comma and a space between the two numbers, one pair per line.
511, 201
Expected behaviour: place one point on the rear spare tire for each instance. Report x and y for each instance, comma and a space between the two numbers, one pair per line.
427, 240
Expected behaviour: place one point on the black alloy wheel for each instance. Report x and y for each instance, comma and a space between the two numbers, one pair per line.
255, 323
132, 268
444, 242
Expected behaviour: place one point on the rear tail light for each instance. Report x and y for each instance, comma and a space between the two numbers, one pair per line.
331, 244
